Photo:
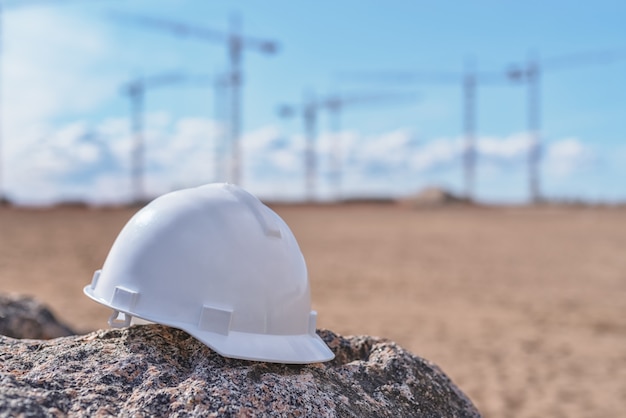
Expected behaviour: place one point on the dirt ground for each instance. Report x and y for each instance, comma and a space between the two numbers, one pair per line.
525, 309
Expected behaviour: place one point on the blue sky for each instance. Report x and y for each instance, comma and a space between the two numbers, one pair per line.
66, 126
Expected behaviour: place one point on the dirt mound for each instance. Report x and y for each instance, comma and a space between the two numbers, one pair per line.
436, 197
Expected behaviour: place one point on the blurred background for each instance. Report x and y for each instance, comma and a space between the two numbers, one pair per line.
405, 112
113, 101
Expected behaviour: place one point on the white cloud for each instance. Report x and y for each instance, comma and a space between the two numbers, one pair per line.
389, 144
46, 57
377, 156
187, 156
438, 152
260, 139
267, 149
567, 156
510, 147
286, 160
96, 161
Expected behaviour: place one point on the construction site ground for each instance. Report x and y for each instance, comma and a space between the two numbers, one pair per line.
524, 308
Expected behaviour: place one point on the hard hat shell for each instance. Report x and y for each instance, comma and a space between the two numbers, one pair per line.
217, 263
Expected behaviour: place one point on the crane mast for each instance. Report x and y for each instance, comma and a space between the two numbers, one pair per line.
530, 73
469, 81
235, 43
136, 90
334, 104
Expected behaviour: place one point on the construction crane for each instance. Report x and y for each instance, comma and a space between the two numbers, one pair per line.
136, 90
469, 81
334, 104
235, 43
220, 85
530, 73
308, 110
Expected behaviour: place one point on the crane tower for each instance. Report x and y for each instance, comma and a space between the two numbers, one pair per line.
334, 104
235, 43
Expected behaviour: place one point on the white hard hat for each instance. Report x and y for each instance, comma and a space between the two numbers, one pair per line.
217, 263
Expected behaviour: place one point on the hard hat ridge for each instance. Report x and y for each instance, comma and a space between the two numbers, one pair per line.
219, 264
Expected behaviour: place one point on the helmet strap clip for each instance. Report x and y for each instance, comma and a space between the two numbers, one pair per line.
116, 322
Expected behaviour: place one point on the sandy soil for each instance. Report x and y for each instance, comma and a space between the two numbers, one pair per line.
525, 309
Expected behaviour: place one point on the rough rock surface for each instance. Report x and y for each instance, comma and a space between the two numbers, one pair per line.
153, 370
24, 317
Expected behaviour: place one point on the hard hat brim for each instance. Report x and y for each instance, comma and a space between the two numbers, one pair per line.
288, 349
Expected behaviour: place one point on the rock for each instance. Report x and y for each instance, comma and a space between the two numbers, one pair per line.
24, 317
153, 370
